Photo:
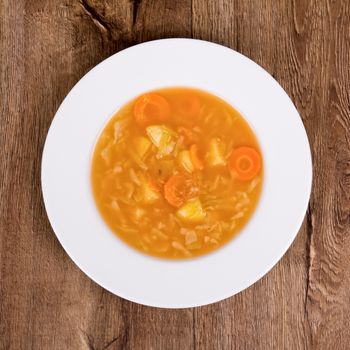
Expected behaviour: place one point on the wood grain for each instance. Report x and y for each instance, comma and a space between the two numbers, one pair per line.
46, 302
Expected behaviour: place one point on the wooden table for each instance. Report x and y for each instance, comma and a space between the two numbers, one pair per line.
46, 302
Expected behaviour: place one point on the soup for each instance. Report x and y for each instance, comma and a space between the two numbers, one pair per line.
176, 173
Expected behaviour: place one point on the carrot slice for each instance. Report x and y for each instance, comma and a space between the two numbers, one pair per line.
176, 189
195, 158
150, 109
188, 107
245, 163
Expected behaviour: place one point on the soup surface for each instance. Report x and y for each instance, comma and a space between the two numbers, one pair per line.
176, 173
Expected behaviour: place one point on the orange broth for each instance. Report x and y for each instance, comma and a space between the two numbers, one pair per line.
176, 173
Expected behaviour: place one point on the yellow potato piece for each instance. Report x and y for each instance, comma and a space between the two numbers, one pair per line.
184, 160
142, 146
215, 156
163, 138
191, 211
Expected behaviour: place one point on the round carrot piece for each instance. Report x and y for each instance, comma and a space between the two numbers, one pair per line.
176, 189
245, 163
188, 107
195, 158
150, 109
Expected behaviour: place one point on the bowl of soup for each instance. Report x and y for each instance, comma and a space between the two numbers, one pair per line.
173, 182
177, 173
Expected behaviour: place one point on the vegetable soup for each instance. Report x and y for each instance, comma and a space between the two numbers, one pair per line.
177, 173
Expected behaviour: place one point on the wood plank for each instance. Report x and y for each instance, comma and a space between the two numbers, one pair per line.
260, 317
304, 45
16, 276
162, 19
328, 296
52, 45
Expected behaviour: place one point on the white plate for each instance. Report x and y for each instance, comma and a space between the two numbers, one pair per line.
66, 173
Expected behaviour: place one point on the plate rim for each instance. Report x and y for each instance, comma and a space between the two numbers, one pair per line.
215, 298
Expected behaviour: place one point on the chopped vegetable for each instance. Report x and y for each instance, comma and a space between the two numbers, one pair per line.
151, 109
156, 133
142, 146
184, 231
195, 158
215, 157
128, 229
163, 138
115, 205
191, 211
134, 178
106, 153
117, 169
243, 202
119, 126
166, 150
239, 215
149, 192
190, 237
184, 159
179, 144
253, 184
129, 190
244, 163
176, 189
